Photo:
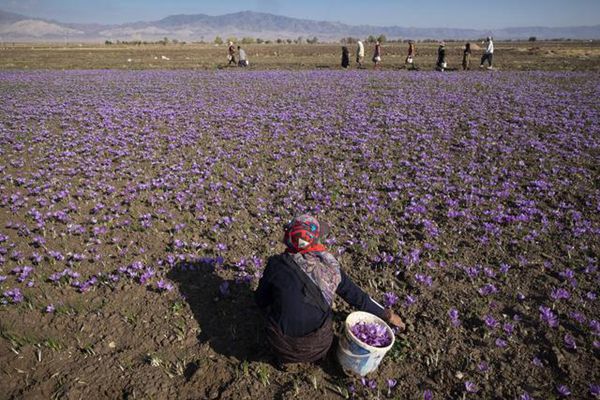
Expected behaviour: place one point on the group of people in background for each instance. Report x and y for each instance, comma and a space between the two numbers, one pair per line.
360, 55
488, 56
242, 58
441, 63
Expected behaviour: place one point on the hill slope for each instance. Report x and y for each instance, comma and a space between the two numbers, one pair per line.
15, 27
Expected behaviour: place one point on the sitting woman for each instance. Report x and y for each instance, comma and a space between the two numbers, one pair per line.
297, 291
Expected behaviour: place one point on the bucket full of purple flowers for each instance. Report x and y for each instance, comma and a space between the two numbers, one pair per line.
365, 342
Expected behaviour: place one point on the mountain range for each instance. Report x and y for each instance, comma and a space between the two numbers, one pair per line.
197, 27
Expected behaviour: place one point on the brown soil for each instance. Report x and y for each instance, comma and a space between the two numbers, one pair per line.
568, 56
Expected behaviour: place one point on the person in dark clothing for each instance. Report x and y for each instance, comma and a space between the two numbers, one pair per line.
410, 57
466, 62
441, 59
231, 54
377, 55
297, 291
345, 57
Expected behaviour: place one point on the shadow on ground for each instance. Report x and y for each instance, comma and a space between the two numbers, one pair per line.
231, 323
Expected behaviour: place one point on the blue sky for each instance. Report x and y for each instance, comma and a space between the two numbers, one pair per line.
420, 13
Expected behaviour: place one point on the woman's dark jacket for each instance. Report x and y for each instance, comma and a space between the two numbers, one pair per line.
345, 57
441, 56
283, 296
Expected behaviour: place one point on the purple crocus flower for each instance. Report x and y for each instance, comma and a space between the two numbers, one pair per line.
501, 343
50, 308
470, 387
409, 300
595, 327
570, 342
454, 317
595, 390
525, 396
424, 279
577, 316
36, 258
490, 322
508, 328
85, 286
57, 255
563, 390
149, 273
164, 286
368, 383
504, 268
390, 299
487, 290
560, 294
221, 247
548, 316
427, 395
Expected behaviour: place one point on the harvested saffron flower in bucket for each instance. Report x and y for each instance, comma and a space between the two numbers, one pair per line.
372, 333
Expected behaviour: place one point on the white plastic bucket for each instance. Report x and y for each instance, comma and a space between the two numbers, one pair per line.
356, 356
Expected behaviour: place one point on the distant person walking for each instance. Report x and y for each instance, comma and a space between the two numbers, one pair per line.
377, 55
360, 53
345, 57
466, 63
243, 58
231, 54
410, 57
441, 64
488, 54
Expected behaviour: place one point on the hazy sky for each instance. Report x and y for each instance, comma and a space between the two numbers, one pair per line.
420, 13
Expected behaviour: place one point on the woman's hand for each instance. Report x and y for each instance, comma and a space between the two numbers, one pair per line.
394, 319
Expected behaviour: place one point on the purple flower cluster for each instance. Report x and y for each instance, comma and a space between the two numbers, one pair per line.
560, 293
487, 290
13, 295
55, 277
548, 316
371, 333
164, 286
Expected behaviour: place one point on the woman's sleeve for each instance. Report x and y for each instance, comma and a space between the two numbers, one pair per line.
357, 298
263, 294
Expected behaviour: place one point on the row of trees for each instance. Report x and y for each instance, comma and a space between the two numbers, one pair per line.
164, 41
250, 40
300, 40
370, 39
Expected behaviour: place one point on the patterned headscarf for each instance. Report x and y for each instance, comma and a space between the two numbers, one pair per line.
304, 234
303, 237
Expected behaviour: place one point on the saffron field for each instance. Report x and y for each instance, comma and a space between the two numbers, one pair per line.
138, 208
